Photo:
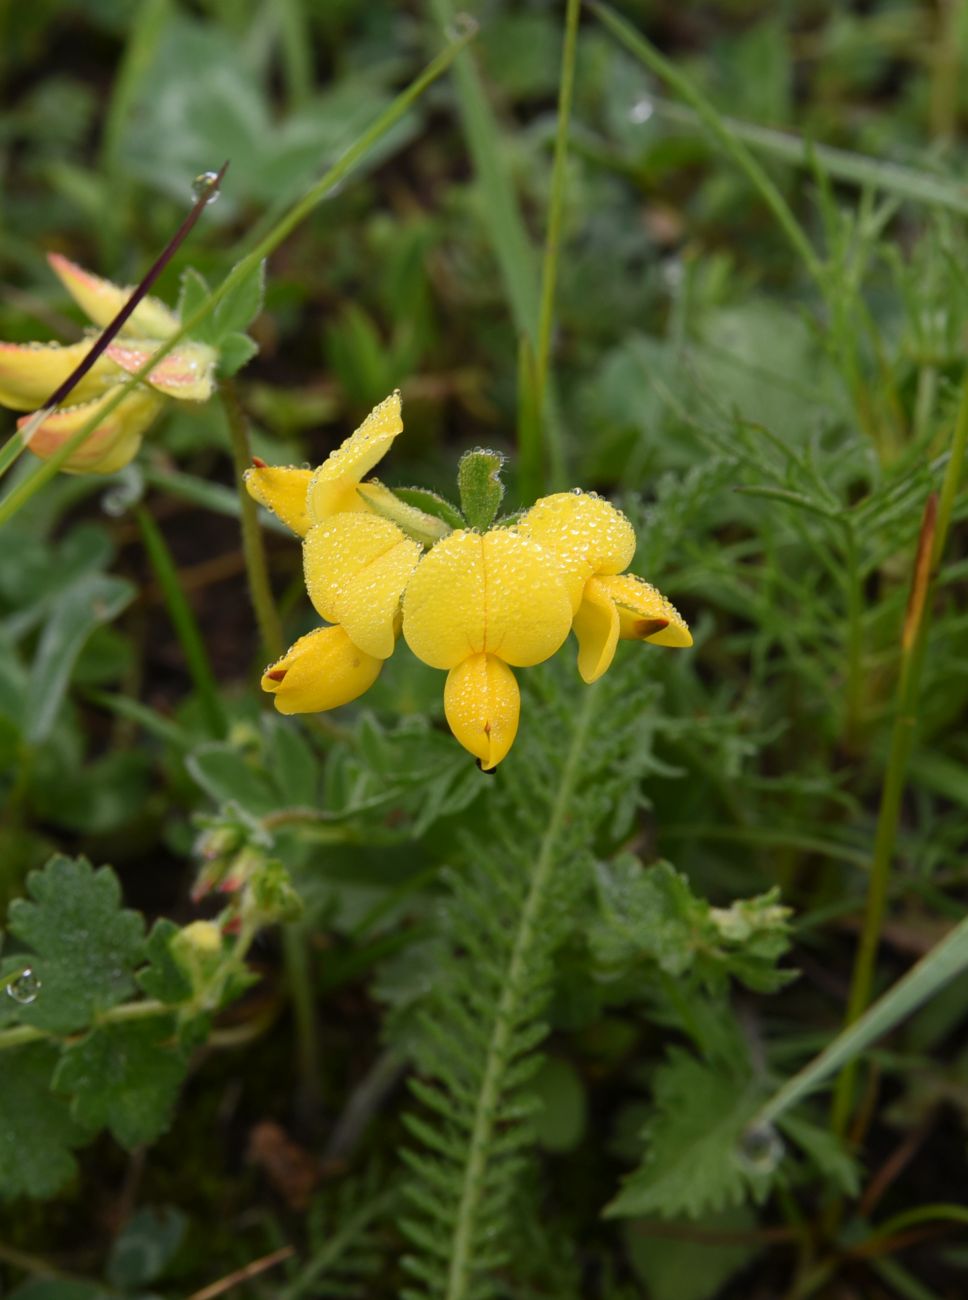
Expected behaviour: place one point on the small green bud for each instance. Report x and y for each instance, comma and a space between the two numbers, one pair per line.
481, 489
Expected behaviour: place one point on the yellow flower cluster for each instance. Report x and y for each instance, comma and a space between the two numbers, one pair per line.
475, 604
30, 372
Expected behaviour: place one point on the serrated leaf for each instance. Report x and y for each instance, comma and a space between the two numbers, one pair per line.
481, 489
240, 306
432, 503
164, 978
90, 602
37, 1129
124, 1076
692, 1166
651, 913
84, 945
234, 352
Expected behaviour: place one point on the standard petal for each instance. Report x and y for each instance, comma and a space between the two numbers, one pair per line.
586, 532
597, 629
333, 488
101, 300
281, 489
114, 441
482, 704
30, 372
356, 568
443, 608
499, 593
644, 613
187, 372
321, 671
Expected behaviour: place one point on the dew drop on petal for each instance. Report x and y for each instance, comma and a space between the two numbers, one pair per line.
24, 987
641, 111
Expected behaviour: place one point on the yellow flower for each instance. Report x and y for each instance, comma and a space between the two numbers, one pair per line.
321, 671
31, 372
303, 497
594, 543
475, 605
356, 564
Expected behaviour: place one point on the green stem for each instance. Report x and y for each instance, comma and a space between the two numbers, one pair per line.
296, 52
19, 496
507, 1016
184, 622
18, 1035
716, 124
549, 270
855, 607
295, 944
253, 546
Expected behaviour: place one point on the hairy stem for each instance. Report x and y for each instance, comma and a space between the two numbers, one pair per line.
507, 1016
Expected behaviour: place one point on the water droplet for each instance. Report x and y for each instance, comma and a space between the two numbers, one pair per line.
23, 988
641, 111
205, 186
461, 26
760, 1150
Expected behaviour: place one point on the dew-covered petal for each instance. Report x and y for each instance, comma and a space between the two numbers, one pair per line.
528, 610
587, 533
482, 704
356, 568
31, 372
101, 300
333, 487
321, 671
597, 629
113, 443
187, 372
498, 593
644, 613
281, 489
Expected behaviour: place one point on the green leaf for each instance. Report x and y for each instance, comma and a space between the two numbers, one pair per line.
432, 503
652, 914
84, 944
147, 1245
694, 1267
560, 1124
234, 352
125, 1076
291, 762
825, 1151
37, 1129
227, 777
422, 527
240, 306
164, 978
693, 1164
481, 489
195, 292
93, 600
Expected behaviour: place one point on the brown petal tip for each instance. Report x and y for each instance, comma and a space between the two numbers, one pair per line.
645, 627
259, 463
276, 674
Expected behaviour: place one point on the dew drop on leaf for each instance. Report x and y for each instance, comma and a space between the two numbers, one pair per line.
760, 1149
24, 987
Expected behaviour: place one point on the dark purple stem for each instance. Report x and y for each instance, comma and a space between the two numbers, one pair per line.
112, 330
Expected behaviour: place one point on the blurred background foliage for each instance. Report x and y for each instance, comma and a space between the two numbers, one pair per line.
774, 442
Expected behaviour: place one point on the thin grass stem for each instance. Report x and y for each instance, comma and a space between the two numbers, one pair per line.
183, 621
253, 546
